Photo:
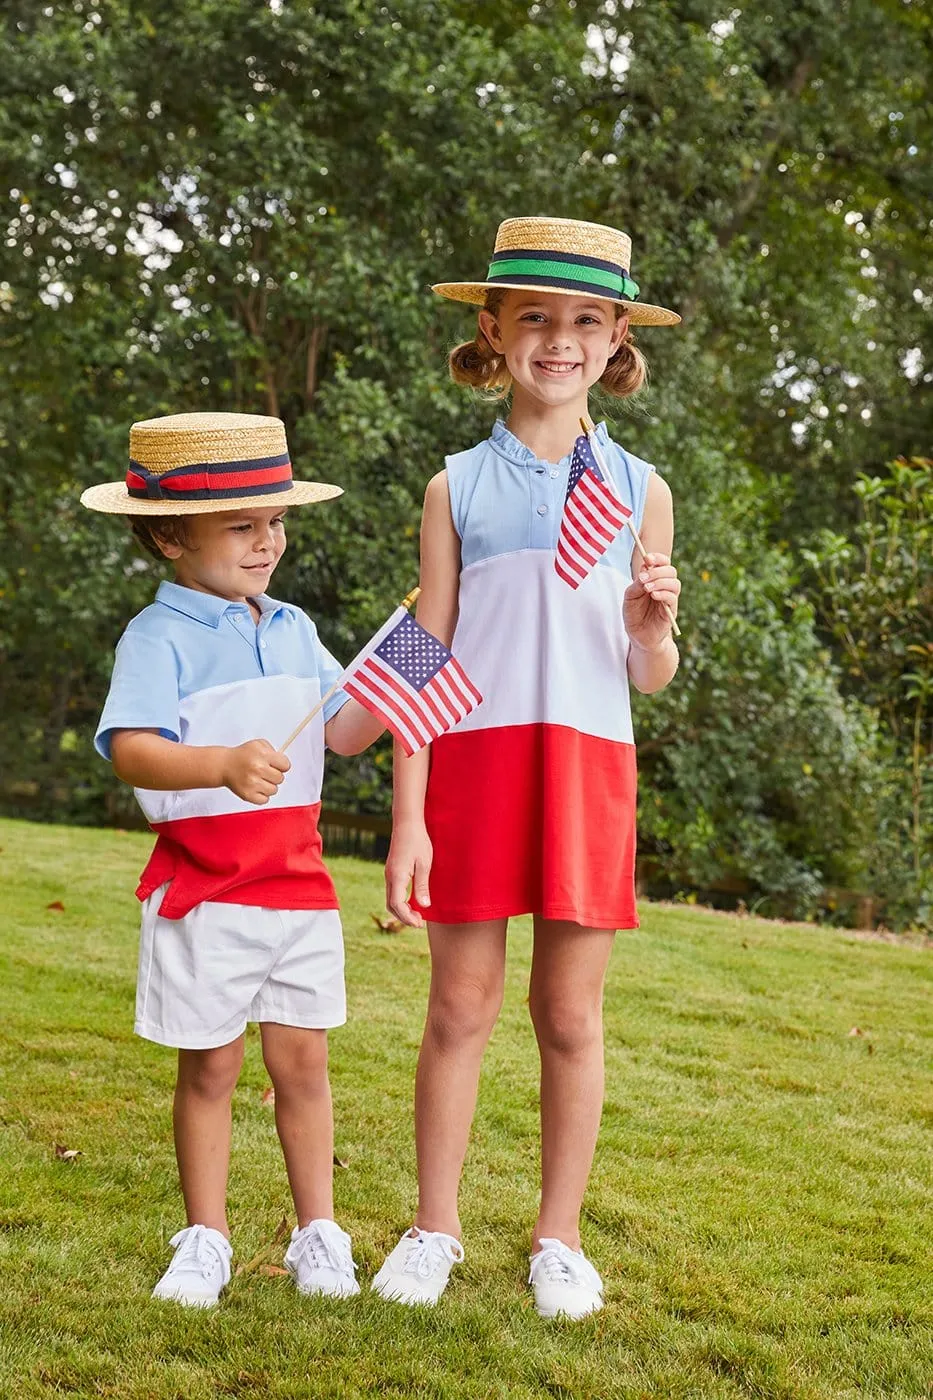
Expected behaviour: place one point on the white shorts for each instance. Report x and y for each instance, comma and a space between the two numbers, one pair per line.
201, 978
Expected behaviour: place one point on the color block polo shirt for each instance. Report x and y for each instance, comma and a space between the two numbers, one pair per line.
200, 671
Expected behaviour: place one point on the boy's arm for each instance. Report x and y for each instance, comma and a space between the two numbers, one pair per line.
653, 656
352, 729
143, 758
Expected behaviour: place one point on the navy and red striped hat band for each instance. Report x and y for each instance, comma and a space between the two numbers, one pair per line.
211, 481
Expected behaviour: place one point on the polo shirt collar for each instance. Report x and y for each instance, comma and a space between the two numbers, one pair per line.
207, 607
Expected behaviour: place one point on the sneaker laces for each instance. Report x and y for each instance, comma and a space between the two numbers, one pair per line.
430, 1251
559, 1264
194, 1247
325, 1249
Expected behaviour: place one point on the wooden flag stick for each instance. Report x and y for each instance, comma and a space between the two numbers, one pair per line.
405, 603
590, 431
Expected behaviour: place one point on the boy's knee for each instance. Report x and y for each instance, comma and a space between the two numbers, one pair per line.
211, 1074
297, 1063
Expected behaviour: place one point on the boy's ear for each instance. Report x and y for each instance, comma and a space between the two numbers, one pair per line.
490, 328
170, 548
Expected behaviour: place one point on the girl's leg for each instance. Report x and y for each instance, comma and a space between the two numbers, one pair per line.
201, 1117
566, 1003
297, 1063
467, 978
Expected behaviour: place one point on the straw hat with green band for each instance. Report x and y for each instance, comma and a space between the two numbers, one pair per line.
563, 255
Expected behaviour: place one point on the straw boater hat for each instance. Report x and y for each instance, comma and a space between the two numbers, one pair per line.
563, 255
195, 463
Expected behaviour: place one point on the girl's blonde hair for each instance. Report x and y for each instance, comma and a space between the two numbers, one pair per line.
478, 366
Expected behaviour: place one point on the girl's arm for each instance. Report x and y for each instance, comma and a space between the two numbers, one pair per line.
410, 853
352, 729
653, 656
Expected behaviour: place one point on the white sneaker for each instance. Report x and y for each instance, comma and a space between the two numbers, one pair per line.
564, 1281
200, 1268
319, 1259
419, 1266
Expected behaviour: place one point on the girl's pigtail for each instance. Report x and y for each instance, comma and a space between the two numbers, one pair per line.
627, 371
478, 366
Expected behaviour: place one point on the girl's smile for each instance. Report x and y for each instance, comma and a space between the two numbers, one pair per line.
555, 346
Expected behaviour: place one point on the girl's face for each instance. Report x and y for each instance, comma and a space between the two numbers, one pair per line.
232, 554
556, 347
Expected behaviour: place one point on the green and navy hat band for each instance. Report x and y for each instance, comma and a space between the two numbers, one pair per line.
570, 271
211, 481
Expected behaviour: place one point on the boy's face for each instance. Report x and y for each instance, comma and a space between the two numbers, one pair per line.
231, 554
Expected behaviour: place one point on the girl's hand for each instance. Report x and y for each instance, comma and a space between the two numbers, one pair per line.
254, 770
655, 583
409, 862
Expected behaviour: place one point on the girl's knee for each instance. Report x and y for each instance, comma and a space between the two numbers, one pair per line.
462, 1011
567, 1030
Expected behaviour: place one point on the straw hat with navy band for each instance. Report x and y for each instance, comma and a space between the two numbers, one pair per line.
563, 255
197, 463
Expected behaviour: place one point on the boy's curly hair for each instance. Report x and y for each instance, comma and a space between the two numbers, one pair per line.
477, 365
150, 529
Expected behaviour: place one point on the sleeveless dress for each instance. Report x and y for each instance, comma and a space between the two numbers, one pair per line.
530, 802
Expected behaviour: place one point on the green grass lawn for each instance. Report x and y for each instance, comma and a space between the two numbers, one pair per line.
759, 1209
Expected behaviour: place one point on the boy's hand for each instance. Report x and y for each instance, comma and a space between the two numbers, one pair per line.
410, 858
254, 770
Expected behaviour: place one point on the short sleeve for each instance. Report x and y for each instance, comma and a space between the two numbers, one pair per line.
328, 670
143, 690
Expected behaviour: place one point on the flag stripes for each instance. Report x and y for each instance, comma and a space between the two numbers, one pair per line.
593, 516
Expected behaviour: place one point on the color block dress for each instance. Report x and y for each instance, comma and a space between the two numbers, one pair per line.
530, 802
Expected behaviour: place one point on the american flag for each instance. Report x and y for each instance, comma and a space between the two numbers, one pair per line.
409, 679
593, 516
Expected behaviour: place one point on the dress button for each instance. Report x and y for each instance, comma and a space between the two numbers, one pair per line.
542, 510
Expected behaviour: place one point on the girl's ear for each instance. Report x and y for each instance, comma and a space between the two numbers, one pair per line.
490, 329
619, 332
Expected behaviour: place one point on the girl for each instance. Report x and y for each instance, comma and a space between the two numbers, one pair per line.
528, 806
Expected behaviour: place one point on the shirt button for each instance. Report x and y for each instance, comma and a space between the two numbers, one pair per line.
554, 475
542, 510
263, 645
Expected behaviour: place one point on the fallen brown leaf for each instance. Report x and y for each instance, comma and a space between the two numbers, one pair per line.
57, 905
856, 1030
66, 1154
269, 1095
387, 925
338, 1162
260, 1261
272, 1270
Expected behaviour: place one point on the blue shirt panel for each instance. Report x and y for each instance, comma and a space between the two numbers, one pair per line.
188, 641
503, 498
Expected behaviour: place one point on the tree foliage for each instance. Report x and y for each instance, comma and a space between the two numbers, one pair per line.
242, 205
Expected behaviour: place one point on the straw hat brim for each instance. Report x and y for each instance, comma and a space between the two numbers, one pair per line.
112, 498
640, 313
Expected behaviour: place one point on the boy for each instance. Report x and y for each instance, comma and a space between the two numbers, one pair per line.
239, 917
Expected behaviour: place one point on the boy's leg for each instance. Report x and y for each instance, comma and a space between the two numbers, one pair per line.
566, 1003
467, 979
296, 1059
202, 1122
